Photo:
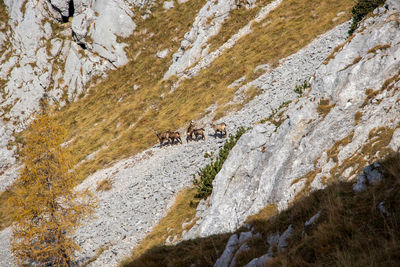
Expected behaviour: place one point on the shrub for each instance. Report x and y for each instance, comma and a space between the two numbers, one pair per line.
299, 89
203, 184
361, 9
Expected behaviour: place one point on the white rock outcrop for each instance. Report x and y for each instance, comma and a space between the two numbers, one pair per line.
40, 59
264, 165
206, 25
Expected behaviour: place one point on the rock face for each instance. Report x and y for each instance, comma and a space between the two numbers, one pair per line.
207, 24
322, 134
144, 185
43, 52
271, 163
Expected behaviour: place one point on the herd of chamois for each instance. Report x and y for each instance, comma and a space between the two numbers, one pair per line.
192, 134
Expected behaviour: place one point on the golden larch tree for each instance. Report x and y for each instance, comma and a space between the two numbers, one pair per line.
47, 208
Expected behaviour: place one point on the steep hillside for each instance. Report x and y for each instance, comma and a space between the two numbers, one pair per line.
122, 112
42, 53
282, 67
347, 119
334, 226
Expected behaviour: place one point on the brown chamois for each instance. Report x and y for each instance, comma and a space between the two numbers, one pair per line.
163, 137
189, 132
175, 136
221, 128
199, 132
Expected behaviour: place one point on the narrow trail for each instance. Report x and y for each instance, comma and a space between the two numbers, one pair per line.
144, 186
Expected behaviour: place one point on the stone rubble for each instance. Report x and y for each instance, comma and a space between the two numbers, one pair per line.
263, 166
265, 161
144, 185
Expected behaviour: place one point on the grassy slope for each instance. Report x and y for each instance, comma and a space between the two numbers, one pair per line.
93, 120
115, 121
349, 232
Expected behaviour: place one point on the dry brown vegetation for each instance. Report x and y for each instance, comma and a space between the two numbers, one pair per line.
350, 231
104, 185
337, 49
238, 18
183, 210
357, 117
378, 47
114, 101
92, 121
3, 13
324, 107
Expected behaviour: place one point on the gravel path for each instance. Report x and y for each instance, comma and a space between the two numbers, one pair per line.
144, 186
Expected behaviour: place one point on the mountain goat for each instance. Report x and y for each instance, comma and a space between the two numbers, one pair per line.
163, 137
199, 133
221, 128
175, 136
189, 132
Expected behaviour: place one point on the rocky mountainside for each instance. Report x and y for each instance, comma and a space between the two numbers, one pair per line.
344, 118
45, 49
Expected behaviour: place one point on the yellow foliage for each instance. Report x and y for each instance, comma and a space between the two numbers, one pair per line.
46, 208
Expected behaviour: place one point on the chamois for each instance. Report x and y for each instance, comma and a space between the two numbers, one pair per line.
175, 136
199, 132
189, 132
162, 137
221, 128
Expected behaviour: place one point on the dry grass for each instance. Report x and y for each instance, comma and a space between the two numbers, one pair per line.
104, 185
114, 101
389, 83
371, 94
264, 214
378, 47
183, 210
3, 13
4, 19
223, 110
350, 231
238, 18
324, 107
357, 117
337, 49
92, 121
372, 150
355, 61
5, 209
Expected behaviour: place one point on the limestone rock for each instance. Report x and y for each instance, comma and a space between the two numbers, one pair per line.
370, 176
192, 47
283, 243
235, 244
163, 53
250, 179
62, 6
260, 262
80, 25
168, 4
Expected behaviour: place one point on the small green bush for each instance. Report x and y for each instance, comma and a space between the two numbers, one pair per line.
299, 89
361, 9
207, 174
